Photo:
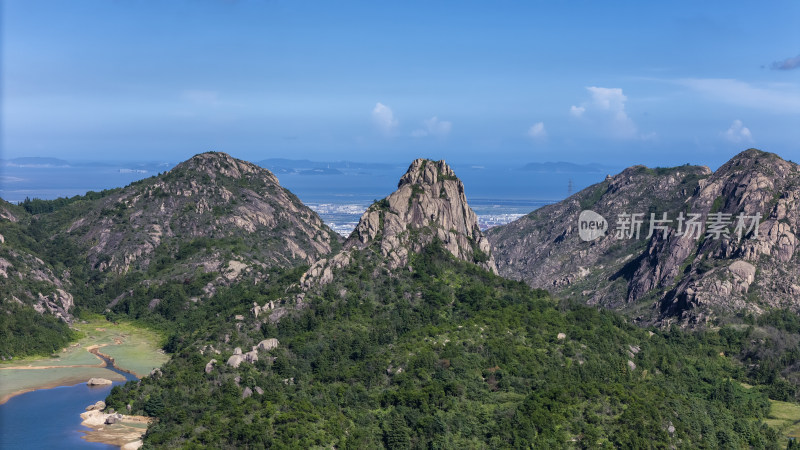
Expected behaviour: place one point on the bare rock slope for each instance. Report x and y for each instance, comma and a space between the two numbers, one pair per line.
27, 280
690, 279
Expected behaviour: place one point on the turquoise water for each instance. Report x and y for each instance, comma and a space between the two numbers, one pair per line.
50, 418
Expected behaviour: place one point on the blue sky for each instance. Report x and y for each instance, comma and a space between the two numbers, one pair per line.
659, 83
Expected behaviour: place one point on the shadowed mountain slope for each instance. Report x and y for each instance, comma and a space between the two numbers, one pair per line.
688, 278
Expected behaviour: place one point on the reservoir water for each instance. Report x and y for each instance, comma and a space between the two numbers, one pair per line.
50, 418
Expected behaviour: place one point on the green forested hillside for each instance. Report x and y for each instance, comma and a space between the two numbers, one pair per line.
435, 352
449, 356
150, 249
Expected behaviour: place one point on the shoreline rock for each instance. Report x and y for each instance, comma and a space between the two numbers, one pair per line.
98, 382
113, 429
99, 406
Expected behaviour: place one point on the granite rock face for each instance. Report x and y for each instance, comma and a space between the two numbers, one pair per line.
667, 277
26, 278
429, 204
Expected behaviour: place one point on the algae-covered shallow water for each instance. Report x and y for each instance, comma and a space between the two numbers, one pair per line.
49, 416
132, 348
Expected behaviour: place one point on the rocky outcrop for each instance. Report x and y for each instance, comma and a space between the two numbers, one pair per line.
115, 429
257, 309
235, 360
99, 406
98, 382
685, 279
429, 204
251, 357
25, 278
58, 303
267, 345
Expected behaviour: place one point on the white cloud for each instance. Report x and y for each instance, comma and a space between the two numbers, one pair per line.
433, 127
775, 98
383, 117
608, 98
606, 109
738, 133
537, 131
577, 111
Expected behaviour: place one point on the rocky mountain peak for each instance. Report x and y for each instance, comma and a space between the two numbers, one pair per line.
689, 278
426, 172
429, 204
215, 164
752, 155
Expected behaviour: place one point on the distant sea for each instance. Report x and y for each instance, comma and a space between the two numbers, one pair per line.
338, 192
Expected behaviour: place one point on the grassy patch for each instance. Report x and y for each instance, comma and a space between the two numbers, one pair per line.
784, 417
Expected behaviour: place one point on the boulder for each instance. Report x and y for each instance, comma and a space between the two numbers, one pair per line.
251, 357
93, 418
237, 351
247, 392
267, 344
235, 360
98, 382
259, 390
113, 418
744, 270
99, 406
210, 365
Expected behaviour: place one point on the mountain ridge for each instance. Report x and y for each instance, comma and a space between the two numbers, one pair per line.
691, 282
